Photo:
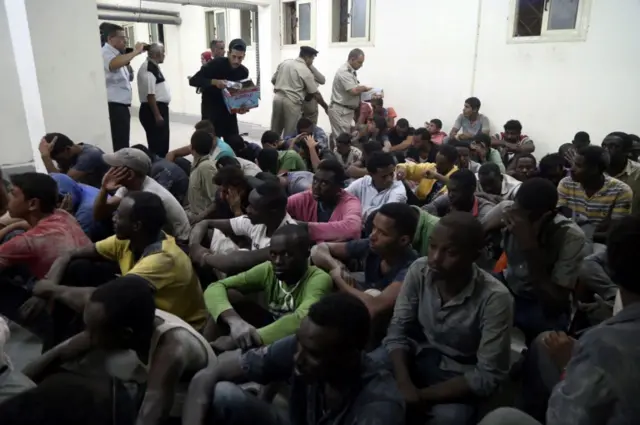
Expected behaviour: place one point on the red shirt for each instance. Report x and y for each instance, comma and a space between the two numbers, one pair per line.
39, 247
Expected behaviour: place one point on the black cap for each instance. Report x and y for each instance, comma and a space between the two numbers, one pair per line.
238, 44
308, 51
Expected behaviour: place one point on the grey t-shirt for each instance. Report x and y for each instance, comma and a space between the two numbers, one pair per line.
464, 125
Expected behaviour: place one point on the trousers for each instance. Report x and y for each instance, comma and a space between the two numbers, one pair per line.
234, 406
157, 135
120, 121
341, 119
285, 115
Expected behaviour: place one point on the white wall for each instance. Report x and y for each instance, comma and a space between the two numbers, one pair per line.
422, 53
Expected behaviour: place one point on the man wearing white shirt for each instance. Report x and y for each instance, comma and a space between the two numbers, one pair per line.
154, 101
118, 84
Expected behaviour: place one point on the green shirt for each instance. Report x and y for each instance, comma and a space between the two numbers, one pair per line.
494, 156
290, 161
314, 284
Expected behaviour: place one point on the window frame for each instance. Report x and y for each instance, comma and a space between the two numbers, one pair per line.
251, 31
312, 24
131, 41
367, 40
210, 17
160, 32
579, 33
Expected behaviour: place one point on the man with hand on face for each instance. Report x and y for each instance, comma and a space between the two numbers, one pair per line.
289, 283
212, 78
332, 380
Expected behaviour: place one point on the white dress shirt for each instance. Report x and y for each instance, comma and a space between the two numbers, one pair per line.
118, 85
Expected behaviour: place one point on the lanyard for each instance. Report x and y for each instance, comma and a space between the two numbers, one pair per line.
288, 295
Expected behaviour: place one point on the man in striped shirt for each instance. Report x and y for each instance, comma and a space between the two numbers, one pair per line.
590, 196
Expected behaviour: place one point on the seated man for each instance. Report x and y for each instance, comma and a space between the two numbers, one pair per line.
292, 182
464, 153
544, 251
220, 148
129, 172
169, 174
126, 337
82, 162
266, 212
435, 130
431, 177
359, 168
619, 146
379, 187
305, 127
325, 363
375, 107
494, 185
250, 169
462, 317
328, 211
202, 189
460, 196
581, 139
551, 167
470, 122
312, 153
596, 376
232, 196
400, 138
53, 232
524, 167
345, 153
277, 162
289, 284
592, 198
482, 152
271, 139
140, 248
81, 198
385, 257
12, 381
243, 149
512, 142
421, 149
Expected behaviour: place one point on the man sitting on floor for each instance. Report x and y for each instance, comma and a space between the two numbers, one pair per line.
329, 212
422, 148
220, 147
483, 153
385, 257
126, 337
331, 378
619, 146
289, 284
169, 174
306, 128
202, 188
359, 168
524, 167
379, 187
267, 211
276, 162
345, 153
470, 122
551, 168
250, 169
512, 142
494, 185
464, 155
462, 316
435, 130
129, 172
243, 149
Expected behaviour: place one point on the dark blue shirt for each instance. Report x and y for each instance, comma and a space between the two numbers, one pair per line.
370, 262
90, 162
170, 176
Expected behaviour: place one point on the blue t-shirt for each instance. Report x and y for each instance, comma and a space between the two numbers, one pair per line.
370, 262
83, 197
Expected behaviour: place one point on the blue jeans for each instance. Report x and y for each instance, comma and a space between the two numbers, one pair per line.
425, 371
529, 316
234, 406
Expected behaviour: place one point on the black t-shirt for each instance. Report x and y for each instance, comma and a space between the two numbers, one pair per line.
396, 139
414, 154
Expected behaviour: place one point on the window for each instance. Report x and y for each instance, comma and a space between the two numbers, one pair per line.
156, 33
216, 22
555, 20
131, 36
351, 21
297, 24
247, 26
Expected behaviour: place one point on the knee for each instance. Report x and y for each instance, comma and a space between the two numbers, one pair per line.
506, 416
227, 397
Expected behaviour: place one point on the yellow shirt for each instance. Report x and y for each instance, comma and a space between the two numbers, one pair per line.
168, 269
415, 172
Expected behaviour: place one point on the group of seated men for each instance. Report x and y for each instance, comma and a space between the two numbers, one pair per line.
384, 278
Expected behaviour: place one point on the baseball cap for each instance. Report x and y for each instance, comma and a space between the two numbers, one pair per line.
134, 159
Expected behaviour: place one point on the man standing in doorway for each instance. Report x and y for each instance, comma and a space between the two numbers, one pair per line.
118, 84
154, 101
345, 95
212, 78
293, 81
217, 49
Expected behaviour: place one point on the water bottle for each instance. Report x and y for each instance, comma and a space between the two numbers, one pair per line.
234, 85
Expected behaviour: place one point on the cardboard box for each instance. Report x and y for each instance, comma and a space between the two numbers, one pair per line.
247, 98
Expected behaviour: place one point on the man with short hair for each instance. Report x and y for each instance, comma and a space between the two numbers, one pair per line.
552, 168
170, 175
470, 122
345, 94
293, 81
118, 83
494, 185
217, 49
202, 188
246, 150
449, 338
277, 162
422, 148
82, 161
289, 283
524, 167
129, 172
359, 168
435, 130
219, 148
483, 152
327, 210
581, 139
464, 153
331, 378
212, 79
379, 187
154, 101
619, 146
304, 128
400, 138
346, 153
512, 142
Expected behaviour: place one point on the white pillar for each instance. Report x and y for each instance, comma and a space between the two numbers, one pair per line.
52, 77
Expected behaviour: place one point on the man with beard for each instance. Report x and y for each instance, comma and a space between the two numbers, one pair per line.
462, 316
289, 284
332, 381
619, 146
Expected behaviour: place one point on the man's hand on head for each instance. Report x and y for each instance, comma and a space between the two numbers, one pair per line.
45, 147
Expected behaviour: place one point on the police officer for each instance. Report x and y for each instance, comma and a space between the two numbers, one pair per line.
118, 84
345, 94
293, 81
310, 106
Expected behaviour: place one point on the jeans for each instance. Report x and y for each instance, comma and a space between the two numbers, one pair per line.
425, 371
234, 406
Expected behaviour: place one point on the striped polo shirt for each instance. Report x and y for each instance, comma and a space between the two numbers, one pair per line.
614, 198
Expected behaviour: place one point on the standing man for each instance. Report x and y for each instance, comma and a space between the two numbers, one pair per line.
217, 49
293, 81
345, 94
212, 78
118, 84
310, 105
154, 101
